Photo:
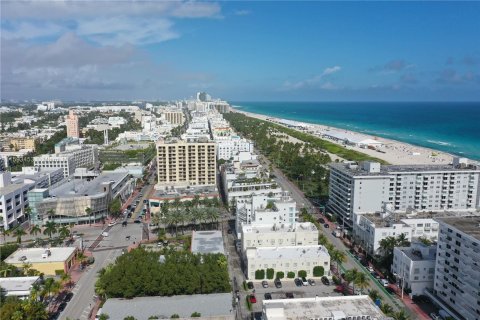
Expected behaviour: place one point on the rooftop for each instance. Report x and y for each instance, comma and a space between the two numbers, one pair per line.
420, 252
218, 305
34, 255
267, 228
469, 225
207, 242
12, 284
77, 187
319, 307
184, 192
288, 252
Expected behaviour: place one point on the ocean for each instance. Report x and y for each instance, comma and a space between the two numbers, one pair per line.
453, 127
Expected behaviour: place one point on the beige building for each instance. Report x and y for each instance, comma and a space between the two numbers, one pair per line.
73, 129
23, 143
47, 261
174, 117
182, 163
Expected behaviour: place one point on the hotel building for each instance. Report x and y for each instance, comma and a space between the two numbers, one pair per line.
181, 163
366, 188
73, 129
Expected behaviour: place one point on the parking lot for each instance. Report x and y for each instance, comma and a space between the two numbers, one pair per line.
289, 286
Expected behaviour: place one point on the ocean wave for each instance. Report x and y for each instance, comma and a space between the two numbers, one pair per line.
441, 143
236, 107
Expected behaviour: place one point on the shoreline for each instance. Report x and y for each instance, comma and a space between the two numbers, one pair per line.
393, 151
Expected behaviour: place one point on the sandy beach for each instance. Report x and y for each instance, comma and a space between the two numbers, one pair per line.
392, 151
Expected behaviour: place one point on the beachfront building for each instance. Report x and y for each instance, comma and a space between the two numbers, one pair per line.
287, 259
277, 235
181, 163
367, 187
73, 130
414, 267
228, 148
14, 188
74, 156
352, 139
263, 209
457, 271
323, 308
67, 202
48, 261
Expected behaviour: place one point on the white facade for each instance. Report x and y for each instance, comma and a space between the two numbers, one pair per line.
414, 267
265, 210
227, 149
74, 157
116, 122
19, 287
366, 188
268, 235
457, 269
287, 259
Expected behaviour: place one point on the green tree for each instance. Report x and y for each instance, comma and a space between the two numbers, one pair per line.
280, 275
290, 275
361, 281
50, 228
350, 276
64, 231
35, 230
386, 309
104, 316
196, 315
19, 233
260, 274
130, 318
400, 315
302, 273
318, 271
270, 273
339, 257
174, 316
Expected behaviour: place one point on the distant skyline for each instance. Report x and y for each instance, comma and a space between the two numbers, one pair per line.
240, 51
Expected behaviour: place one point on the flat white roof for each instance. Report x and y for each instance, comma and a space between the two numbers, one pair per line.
351, 137
279, 228
207, 242
288, 252
12, 284
320, 307
34, 255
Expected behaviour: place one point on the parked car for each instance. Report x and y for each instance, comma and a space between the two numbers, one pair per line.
298, 282
321, 220
326, 225
278, 283
111, 224
311, 282
375, 275
434, 316
304, 281
289, 295
325, 281
268, 296
265, 284
384, 282
390, 290
250, 285
137, 221
105, 233
68, 297
62, 306
370, 268
252, 298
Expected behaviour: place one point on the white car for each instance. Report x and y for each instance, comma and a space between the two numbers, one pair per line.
111, 224
434, 316
105, 233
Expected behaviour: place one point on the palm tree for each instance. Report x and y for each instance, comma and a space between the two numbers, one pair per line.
51, 214
35, 291
386, 309
19, 232
35, 230
65, 278
339, 257
88, 212
196, 200
361, 281
8, 269
50, 228
322, 239
28, 212
386, 245
64, 232
402, 240
212, 214
350, 277
400, 315
374, 295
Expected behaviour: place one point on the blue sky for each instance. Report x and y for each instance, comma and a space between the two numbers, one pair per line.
314, 51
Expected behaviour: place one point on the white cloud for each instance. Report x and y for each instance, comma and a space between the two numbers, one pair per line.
242, 12
317, 81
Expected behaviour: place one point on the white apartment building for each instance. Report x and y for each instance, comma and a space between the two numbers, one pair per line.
414, 267
265, 210
14, 192
365, 188
116, 122
323, 308
80, 156
287, 259
457, 269
279, 235
181, 163
227, 149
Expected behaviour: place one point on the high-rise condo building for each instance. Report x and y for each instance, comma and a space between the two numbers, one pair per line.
366, 188
457, 268
73, 129
181, 163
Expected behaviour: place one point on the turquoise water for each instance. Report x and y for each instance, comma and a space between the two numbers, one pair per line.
452, 127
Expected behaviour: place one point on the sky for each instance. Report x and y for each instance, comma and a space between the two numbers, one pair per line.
240, 51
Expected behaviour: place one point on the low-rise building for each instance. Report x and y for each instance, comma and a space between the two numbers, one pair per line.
323, 308
67, 202
287, 259
414, 267
47, 261
207, 242
278, 235
19, 287
23, 143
